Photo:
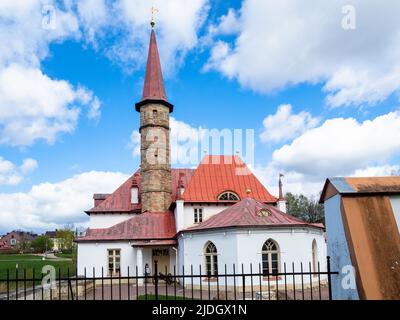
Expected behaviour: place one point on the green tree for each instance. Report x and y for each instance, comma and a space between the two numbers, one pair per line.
66, 237
42, 244
307, 209
24, 243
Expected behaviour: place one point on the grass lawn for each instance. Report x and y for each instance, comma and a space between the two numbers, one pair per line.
30, 263
65, 255
161, 297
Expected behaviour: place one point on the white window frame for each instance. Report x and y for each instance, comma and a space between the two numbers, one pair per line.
198, 215
13, 242
213, 255
269, 253
229, 194
134, 195
114, 257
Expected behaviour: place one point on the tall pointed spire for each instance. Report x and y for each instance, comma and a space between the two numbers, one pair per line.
155, 163
153, 89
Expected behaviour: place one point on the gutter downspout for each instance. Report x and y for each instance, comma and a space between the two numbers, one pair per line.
176, 258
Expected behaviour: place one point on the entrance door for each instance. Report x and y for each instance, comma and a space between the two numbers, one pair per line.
162, 258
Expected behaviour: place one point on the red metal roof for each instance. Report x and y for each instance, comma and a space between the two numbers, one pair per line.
214, 175
120, 199
247, 213
217, 174
145, 226
153, 84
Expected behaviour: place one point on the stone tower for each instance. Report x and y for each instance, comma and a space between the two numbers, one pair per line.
154, 130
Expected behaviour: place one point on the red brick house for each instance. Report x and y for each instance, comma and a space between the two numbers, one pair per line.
17, 240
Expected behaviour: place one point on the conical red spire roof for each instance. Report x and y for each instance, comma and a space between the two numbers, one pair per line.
153, 84
153, 90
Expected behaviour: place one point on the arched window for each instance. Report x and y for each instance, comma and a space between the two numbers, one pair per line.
211, 259
270, 257
228, 195
314, 256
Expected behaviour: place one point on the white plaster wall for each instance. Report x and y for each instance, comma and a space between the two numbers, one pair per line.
208, 211
179, 215
244, 247
338, 249
98, 221
395, 201
92, 254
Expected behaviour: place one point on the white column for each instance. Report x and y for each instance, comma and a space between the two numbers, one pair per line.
179, 215
282, 205
139, 263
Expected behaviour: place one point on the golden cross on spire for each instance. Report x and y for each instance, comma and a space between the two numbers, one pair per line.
153, 11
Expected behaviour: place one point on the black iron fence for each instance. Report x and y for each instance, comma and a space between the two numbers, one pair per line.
190, 284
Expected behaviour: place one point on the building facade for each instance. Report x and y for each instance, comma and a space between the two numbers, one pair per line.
363, 227
216, 216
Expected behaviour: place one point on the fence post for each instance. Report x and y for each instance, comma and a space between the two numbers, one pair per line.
328, 266
243, 284
156, 278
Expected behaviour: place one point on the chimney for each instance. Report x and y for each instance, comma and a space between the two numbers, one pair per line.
281, 204
181, 186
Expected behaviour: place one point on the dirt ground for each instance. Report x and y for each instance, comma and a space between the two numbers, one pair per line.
132, 292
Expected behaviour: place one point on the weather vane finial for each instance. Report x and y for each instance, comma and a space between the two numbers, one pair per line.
153, 11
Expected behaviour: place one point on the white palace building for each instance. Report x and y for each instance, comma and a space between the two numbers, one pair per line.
213, 217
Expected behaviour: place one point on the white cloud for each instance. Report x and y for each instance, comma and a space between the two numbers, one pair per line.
227, 24
134, 143
284, 43
294, 182
284, 125
34, 106
94, 17
25, 33
347, 86
311, 184
177, 25
184, 142
51, 205
339, 146
11, 174
377, 171
28, 165
219, 51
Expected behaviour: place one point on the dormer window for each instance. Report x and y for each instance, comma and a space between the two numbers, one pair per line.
228, 196
134, 195
263, 213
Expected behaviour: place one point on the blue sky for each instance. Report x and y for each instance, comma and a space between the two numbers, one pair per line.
226, 65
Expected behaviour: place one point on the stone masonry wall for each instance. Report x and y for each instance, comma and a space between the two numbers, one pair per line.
155, 158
